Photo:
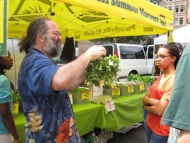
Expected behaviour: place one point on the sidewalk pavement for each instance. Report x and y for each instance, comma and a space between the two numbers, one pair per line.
135, 135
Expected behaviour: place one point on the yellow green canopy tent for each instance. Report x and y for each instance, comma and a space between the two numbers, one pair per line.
91, 19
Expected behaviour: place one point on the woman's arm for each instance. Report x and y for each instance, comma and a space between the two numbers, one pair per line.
146, 100
154, 106
8, 120
157, 109
184, 137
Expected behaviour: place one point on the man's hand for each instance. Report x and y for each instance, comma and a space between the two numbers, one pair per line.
95, 52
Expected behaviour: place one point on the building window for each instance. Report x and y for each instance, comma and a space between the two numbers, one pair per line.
181, 20
154, 1
176, 22
181, 8
170, 8
177, 8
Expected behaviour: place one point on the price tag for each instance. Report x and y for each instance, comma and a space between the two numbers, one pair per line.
141, 86
130, 89
86, 95
15, 108
110, 106
115, 91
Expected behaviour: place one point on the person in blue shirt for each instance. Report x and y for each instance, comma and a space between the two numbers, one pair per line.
8, 132
44, 86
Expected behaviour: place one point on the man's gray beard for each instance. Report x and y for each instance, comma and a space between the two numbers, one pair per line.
50, 47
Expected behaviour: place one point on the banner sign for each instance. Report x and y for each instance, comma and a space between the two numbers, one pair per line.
91, 19
3, 27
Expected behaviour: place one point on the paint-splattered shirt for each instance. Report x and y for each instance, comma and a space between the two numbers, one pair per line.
48, 113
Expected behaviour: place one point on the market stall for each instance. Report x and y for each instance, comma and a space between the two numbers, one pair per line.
128, 111
85, 20
91, 20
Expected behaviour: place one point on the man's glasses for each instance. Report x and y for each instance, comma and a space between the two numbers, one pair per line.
161, 57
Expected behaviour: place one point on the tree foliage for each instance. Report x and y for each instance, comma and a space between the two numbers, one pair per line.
148, 40
125, 39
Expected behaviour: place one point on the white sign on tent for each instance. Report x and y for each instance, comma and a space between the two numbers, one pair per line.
181, 35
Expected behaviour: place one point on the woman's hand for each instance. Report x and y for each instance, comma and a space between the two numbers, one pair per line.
17, 141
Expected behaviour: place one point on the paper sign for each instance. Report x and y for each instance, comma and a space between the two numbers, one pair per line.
86, 95
15, 108
115, 91
130, 89
141, 86
110, 106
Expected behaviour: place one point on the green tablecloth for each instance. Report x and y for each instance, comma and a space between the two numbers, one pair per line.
20, 122
88, 116
128, 111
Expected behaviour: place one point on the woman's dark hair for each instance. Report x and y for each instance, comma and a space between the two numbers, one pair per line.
175, 49
38, 25
2, 66
2, 71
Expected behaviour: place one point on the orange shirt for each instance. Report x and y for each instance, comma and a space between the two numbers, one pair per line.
161, 88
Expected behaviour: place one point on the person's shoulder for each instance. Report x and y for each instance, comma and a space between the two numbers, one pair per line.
33, 53
170, 78
34, 56
3, 78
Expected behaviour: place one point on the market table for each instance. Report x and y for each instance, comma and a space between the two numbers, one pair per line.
128, 111
88, 116
20, 122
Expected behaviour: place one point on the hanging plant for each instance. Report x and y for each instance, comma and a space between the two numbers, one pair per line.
103, 69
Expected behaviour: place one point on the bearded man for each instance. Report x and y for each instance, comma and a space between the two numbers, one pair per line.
43, 85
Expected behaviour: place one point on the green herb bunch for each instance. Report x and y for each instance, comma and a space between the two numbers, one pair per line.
144, 79
105, 68
16, 96
134, 77
148, 79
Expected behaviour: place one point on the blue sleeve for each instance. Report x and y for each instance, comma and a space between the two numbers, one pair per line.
5, 92
41, 73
